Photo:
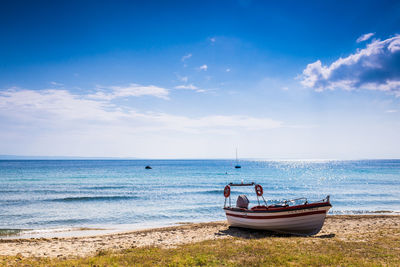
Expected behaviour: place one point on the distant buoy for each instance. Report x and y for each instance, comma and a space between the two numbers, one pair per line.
147, 167
238, 166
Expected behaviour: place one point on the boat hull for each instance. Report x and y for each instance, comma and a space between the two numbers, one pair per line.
301, 220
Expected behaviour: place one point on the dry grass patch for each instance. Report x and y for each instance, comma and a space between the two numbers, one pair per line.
364, 244
382, 249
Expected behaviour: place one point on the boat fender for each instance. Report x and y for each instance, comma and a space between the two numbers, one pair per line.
227, 191
259, 190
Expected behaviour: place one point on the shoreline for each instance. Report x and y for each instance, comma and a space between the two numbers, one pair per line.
87, 231
100, 230
342, 227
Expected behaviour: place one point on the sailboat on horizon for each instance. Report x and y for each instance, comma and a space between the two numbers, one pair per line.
237, 166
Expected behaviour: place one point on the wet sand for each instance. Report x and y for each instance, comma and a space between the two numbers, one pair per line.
343, 227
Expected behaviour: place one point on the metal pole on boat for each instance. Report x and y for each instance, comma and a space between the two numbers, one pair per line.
264, 201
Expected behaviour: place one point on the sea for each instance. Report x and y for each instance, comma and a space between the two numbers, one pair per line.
56, 195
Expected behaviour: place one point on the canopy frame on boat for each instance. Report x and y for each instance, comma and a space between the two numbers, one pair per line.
228, 195
285, 203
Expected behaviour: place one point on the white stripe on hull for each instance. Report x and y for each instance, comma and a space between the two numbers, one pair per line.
305, 224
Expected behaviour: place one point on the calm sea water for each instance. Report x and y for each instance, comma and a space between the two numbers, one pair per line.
40, 194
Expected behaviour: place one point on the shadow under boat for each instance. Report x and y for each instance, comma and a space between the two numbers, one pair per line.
247, 233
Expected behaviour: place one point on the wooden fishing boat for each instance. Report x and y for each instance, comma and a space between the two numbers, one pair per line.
284, 217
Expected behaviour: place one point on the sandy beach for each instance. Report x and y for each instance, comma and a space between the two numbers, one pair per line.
352, 228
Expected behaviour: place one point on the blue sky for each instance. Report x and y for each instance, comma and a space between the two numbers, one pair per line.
196, 79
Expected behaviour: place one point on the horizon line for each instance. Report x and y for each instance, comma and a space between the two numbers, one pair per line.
26, 157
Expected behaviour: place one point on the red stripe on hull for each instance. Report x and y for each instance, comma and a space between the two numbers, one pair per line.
277, 216
310, 205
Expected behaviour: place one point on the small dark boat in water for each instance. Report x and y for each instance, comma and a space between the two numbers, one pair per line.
148, 167
237, 166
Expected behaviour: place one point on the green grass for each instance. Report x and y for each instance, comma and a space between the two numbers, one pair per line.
380, 249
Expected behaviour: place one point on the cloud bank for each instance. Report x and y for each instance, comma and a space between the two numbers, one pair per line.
376, 67
61, 111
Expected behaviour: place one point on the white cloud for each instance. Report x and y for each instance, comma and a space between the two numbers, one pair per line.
391, 111
132, 89
364, 37
56, 84
203, 67
51, 105
185, 57
285, 88
184, 79
376, 67
215, 123
190, 87
60, 111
